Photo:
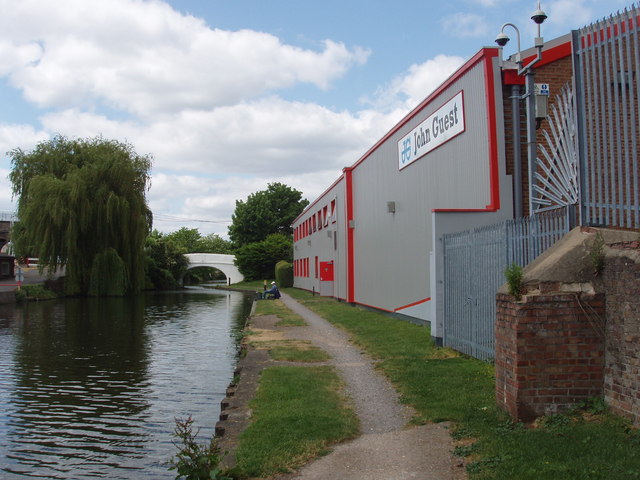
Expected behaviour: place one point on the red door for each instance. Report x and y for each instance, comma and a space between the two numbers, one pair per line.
326, 271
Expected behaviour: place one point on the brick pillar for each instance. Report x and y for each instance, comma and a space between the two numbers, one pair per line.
549, 354
622, 359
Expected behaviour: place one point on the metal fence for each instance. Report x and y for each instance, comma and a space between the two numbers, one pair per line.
474, 263
608, 92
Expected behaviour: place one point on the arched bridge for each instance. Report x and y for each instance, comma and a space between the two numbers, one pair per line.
224, 263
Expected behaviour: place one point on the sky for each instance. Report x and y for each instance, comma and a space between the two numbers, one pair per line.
228, 96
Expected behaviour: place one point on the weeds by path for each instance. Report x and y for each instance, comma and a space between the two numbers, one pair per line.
588, 443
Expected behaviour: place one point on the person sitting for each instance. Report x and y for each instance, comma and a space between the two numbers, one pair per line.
273, 291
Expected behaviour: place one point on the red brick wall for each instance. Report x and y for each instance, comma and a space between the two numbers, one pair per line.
622, 357
549, 355
556, 74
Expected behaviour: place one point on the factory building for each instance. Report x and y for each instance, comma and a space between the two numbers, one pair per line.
457, 161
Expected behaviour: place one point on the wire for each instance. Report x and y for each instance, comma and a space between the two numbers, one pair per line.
172, 218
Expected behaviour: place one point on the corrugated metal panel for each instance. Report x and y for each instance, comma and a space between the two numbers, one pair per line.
392, 249
328, 243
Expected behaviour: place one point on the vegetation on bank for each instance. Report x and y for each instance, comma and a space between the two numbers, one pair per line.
34, 292
440, 384
297, 413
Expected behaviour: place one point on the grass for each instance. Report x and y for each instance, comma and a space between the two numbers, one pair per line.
440, 384
252, 285
287, 351
297, 413
276, 307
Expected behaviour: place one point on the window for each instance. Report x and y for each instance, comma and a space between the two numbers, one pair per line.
333, 211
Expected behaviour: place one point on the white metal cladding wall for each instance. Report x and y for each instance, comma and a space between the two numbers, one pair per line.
392, 249
322, 243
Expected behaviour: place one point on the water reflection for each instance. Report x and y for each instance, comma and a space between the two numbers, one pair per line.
90, 387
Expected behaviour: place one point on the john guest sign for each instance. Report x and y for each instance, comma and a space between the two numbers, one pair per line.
440, 127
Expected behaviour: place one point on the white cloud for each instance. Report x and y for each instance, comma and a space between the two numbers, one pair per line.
465, 25
266, 137
203, 102
19, 136
409, 89
147, 59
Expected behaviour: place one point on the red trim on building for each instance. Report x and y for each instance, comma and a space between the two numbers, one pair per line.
492, 140
510, 77
487, 51
550, 55
348, 175
320, 197
413, 304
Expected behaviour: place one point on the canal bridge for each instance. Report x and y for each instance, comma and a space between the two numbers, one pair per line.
224, 263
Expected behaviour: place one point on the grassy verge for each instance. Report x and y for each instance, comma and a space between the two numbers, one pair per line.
440, 384
276, 307
297, 413
295, 351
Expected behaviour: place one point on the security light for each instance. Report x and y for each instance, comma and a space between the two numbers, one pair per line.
502, 39
539, 16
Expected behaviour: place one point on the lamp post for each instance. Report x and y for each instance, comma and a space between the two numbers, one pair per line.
501, 39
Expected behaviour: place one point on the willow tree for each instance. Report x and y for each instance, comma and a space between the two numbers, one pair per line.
82, 205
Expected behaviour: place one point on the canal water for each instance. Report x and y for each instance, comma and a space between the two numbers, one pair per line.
90, 388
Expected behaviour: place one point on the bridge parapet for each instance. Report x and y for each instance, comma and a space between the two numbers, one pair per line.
224, 263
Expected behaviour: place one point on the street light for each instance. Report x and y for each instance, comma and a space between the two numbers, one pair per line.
502, 39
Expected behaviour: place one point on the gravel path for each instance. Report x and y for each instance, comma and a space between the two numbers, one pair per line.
388, 448
375, 400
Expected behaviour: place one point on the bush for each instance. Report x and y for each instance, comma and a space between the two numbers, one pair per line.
33, 292
284, 274
513, 273
258, 260
195, 461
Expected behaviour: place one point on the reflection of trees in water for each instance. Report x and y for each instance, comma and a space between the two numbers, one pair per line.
197, 275
79, 368
85, 381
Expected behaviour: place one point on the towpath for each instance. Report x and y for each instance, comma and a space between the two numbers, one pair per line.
387, 448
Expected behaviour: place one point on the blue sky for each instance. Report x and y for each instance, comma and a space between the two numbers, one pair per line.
229, 95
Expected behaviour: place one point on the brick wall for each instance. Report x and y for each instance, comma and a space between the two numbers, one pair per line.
549, 352
622, 357
556, 74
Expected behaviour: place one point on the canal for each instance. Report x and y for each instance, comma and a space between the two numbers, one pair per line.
90, 387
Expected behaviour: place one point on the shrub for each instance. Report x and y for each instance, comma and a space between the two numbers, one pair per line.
284, 274
195, 461
33, 292
258, 260
513, 274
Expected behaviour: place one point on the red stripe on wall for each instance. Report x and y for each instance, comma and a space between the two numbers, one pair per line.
348, 175
413, 304
492, 141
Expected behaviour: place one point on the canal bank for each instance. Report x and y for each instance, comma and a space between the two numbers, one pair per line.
387, 447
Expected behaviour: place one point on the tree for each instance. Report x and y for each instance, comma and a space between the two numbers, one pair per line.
257, 260
191, 240
265, 212
82, 204
213, 243
187, 238
166, 262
